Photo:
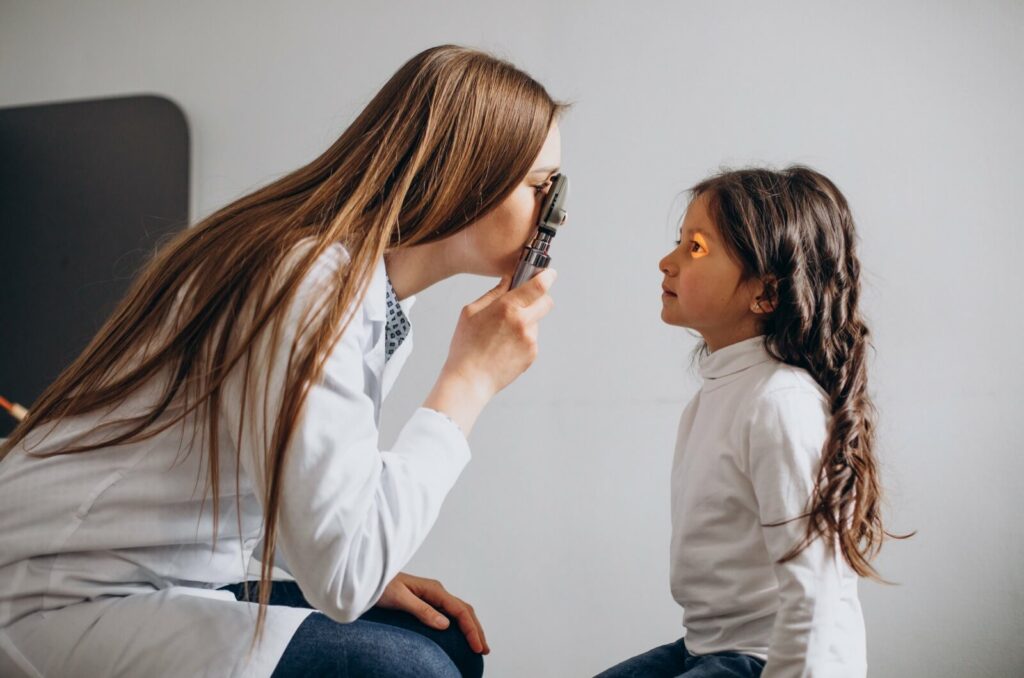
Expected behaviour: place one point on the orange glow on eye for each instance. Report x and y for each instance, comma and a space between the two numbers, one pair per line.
698, 246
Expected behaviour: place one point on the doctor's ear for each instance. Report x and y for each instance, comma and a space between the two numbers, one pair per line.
767, 297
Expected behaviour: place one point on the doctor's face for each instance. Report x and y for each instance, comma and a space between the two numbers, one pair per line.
492, 245
703, 286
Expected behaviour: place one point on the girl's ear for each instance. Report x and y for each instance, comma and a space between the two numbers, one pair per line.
766, 297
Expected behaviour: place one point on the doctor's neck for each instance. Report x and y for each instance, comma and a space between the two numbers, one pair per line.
414, 269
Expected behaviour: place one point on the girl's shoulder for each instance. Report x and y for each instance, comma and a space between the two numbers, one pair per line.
784, 380
783, 415
782, 395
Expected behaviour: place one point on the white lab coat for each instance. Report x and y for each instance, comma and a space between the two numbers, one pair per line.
107, 562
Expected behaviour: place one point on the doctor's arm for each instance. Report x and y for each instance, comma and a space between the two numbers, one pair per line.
352, 515
494, 342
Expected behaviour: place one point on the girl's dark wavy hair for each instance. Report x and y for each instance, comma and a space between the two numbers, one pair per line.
793, 230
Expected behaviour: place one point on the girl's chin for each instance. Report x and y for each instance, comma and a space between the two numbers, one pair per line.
670, 318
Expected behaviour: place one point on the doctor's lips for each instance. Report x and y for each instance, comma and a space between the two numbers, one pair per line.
666, 290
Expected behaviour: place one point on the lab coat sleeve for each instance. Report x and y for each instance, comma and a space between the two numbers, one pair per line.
351, 514
787, 433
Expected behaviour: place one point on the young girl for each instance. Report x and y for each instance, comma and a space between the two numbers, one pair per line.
232, 401
775, 492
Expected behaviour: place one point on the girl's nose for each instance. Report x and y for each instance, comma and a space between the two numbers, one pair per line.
665, 265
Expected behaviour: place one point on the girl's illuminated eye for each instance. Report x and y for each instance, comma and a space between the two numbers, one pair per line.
543, 188
698, 246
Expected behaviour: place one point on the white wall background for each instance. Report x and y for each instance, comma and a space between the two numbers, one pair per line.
558, 529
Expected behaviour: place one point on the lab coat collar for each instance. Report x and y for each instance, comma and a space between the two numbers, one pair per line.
375, 311
734, 358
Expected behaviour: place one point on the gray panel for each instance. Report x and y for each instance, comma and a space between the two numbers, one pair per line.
87, 190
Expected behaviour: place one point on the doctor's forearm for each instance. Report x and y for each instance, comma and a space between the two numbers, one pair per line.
460, 398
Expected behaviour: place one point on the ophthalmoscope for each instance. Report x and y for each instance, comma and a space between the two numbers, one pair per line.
535, 256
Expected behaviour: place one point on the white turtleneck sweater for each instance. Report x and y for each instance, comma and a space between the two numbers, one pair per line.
748, 451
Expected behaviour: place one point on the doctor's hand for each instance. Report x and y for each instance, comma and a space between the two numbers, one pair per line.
494, 342
423, 598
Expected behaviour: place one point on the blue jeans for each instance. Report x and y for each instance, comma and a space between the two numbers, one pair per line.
380, 644
674, 660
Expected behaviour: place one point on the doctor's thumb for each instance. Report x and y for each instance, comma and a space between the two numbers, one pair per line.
490, 296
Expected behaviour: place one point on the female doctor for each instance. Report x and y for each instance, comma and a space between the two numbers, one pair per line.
232, 400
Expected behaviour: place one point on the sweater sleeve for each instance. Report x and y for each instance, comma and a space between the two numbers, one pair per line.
351, 514
786, 437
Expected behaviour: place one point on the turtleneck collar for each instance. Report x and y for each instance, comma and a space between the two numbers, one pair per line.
734, 358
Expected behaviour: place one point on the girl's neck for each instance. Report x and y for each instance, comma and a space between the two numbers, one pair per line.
719, 339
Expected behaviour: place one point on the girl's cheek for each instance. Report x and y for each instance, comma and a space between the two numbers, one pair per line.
690, 289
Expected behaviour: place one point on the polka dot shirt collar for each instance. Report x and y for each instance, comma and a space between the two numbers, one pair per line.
396, 326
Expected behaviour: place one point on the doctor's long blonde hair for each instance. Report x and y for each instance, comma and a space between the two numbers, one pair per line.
444, 141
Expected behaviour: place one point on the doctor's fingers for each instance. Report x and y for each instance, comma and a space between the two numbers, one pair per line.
464, 614
490, 297
533, 289
415, 605
480, 627
472, 629
538, 309
437, 595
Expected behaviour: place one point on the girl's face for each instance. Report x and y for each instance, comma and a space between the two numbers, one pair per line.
492, 245
703, 288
